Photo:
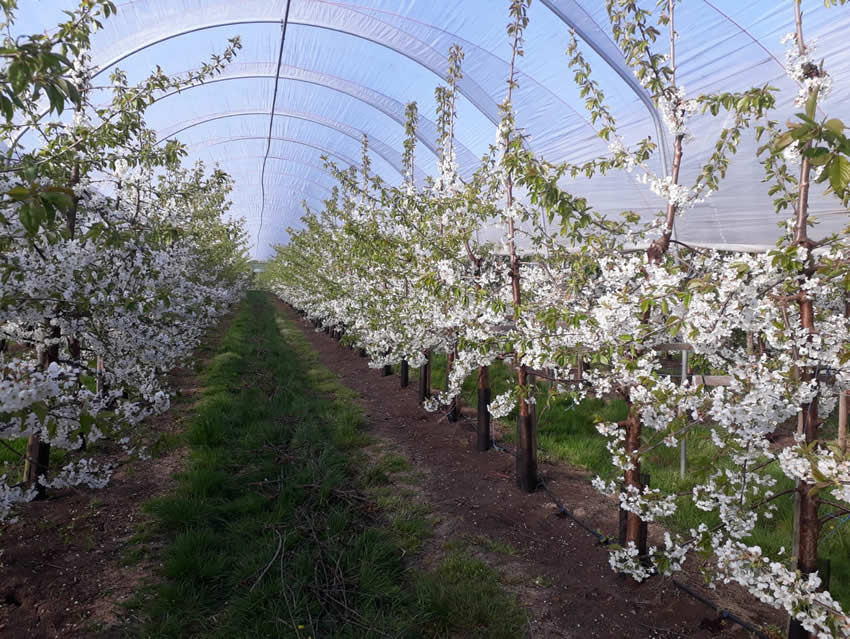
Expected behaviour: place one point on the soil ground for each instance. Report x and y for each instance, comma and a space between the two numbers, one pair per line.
63, 568
63, 571
560, 571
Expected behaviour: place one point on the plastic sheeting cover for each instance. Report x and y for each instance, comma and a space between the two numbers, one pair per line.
349, 68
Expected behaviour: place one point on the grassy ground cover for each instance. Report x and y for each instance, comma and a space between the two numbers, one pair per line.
287, 523
566, 433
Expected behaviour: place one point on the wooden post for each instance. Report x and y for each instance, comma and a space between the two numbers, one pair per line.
484, 438
386, 371
451, 414
404, 374
526, 440
825, 573
425, 379
623, 520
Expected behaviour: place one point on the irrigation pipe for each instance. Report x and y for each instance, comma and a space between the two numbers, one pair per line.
605, 540
723, 614
563, 510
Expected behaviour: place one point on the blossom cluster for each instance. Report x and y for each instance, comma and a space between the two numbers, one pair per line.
115, 262
475, 270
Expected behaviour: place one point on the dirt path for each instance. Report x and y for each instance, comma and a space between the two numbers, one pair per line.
559, 571
63, 565
63, 569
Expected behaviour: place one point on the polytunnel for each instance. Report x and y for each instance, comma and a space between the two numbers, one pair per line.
313, 76
378, 314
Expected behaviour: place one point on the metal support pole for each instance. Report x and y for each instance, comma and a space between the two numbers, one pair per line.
683, 455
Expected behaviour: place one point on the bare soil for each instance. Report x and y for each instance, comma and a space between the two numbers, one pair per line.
64, 569
560, 571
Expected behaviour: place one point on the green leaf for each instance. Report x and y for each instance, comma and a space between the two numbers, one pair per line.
839, 174
57, 100
7, 107
86, 422
31, 216
59, 199
812, 103
39, 409
782, 141
19, 193
18, 75
818, 156
835, 125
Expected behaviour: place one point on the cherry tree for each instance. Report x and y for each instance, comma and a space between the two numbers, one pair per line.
109, 274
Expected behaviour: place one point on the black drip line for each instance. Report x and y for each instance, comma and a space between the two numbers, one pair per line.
283, 25
605, 540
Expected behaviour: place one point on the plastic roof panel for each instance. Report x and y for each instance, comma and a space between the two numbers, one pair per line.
349, 68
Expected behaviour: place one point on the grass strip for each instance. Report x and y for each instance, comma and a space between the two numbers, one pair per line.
274, 530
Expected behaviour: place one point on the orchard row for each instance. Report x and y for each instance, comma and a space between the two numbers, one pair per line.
563, 293
114, 259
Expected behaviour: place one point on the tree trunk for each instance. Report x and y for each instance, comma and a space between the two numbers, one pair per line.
631, 477
451, 415
806, 505
425, 379
483, 438
404, 374
526, 449
37, 463
74, 349
38, 452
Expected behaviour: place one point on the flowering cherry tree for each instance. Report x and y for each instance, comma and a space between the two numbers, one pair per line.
115, 260
402, 269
